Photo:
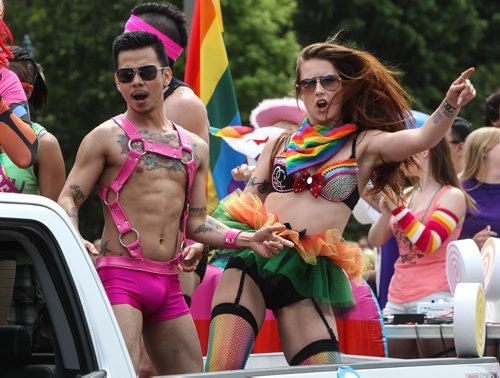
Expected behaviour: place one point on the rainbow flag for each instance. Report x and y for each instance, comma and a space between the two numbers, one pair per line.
207, 72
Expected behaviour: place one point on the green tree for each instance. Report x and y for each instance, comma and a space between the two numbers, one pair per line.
262, 49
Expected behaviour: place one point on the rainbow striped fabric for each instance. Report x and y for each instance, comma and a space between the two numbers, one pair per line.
427, 238
208, 73
313, 144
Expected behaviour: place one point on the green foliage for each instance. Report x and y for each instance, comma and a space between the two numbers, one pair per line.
262, 49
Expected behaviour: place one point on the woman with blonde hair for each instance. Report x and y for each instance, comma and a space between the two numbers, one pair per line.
354, 131
481, 179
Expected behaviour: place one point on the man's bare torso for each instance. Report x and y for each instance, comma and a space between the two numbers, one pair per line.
152, 198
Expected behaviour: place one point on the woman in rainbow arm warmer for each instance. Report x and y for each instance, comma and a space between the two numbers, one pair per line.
310, 182
431, 217
17, 138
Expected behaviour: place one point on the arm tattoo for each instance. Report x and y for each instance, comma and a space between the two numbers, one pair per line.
437, 117
263, 187
79, 196
198, 210
209, 226
73, 213
447, 109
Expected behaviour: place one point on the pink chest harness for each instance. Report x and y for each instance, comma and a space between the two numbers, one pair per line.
126, 170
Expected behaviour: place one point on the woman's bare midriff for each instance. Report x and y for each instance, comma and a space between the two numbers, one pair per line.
304, 211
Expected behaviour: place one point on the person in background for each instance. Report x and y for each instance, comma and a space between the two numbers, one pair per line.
310, 182
285, 113
481, 179
430, 218
17, 138
492, 110
46, 177
459, 131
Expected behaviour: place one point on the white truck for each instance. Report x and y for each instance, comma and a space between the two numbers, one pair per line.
84, 337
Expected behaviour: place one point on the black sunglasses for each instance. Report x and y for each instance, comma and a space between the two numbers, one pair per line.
329, 82
455, 141
147, 73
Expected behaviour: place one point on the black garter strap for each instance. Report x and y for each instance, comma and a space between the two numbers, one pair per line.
238, 310
314, 348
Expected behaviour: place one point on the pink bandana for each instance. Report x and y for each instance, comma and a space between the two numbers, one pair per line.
134, 23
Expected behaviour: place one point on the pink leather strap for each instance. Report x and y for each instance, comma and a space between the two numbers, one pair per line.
126, 170
230, 238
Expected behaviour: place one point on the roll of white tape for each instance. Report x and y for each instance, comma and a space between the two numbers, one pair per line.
490, 254
469, 320
463, 263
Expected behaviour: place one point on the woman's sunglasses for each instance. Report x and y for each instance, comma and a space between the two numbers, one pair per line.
328, 82
147, 73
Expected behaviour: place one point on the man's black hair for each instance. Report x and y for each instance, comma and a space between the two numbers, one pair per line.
138, 40
492, 109
460, 129
167, 18
28, 71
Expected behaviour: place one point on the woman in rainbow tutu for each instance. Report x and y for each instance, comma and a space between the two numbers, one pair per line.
354, 131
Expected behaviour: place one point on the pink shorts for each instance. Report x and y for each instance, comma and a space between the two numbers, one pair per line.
150, 286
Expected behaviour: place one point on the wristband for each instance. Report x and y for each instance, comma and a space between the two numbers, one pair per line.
230, 238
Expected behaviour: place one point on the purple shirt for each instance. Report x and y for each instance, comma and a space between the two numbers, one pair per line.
487, 197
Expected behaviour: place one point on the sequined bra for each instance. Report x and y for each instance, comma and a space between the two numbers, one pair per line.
335, 182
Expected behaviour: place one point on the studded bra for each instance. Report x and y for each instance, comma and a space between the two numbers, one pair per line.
335, 182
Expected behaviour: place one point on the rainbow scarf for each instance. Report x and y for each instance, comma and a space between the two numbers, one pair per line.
313, 144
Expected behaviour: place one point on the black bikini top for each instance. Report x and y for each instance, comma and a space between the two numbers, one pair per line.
335, 182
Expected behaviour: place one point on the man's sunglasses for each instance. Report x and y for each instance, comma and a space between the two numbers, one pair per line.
328, 82
147, 73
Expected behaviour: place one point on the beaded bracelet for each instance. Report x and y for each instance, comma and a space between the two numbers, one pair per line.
230, 238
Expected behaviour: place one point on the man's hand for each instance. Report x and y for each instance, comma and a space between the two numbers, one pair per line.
192, 256
266, 244
91, 249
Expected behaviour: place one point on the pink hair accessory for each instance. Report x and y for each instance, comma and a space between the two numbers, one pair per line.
230, 238
272, 111
134, 23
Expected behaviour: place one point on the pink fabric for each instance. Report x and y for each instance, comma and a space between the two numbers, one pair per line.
6, 186
417, 274
10, 87
134, 23
150, 286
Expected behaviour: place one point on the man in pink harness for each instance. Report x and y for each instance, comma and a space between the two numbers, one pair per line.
151, 175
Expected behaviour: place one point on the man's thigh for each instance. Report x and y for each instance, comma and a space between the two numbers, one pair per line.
173, 346
130, 321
